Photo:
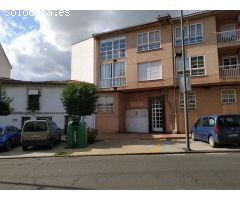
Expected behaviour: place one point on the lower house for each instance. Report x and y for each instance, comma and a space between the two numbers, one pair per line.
160, 110
36, 100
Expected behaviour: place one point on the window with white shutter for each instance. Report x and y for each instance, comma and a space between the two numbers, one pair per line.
149, 71
105, 104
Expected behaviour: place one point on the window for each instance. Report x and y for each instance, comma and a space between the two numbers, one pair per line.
205, 122
148, 41
191, 99
106, 76
230, 62
112, 48
228, 96
35, 126
149, 71
193, 33
208, 122
198, 123
113, 75
229, 121
105, 104
44, 118
33, 100
194, 66
228, 27
119, 74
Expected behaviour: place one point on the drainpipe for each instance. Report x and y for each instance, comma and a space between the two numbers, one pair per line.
174, 130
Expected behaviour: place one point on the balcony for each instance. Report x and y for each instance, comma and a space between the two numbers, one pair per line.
229, 71
229, 36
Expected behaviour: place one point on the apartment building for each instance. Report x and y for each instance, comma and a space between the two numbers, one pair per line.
5, 66
137, 70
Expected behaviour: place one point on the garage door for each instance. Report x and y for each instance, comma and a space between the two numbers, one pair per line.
137, 120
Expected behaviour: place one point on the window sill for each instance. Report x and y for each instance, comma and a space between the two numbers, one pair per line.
155, 80
181, 110
199, 76
228, 103
104, 113
149, 50
189, 44
112, 59
112, 88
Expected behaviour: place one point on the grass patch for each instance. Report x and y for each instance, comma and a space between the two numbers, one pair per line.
63, 153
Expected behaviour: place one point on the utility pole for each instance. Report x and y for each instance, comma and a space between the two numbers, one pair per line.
185, 89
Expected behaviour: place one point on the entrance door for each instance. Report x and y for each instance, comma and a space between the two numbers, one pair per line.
156, 107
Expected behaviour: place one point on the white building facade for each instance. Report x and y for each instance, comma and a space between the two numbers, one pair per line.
82, 62
48, 95
5, 66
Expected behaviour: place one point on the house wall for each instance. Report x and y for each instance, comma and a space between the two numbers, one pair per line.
207, 48
5, 66
82, 62
50, 105
164, 55
109, 122
209, 102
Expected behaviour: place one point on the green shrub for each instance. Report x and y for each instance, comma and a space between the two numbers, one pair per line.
91, 135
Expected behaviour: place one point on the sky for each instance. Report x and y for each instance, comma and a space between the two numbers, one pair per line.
38, 43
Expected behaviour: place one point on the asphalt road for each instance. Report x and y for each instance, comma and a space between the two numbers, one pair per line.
190, 171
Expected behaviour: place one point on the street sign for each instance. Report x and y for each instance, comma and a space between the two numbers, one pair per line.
188, 84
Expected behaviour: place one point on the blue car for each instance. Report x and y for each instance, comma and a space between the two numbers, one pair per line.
217, 129
9, 137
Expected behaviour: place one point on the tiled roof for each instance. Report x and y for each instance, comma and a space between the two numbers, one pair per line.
6, 81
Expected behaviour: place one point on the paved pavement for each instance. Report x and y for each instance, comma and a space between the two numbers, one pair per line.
120, 146
160, 171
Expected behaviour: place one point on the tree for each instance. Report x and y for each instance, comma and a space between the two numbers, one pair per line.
5, 102
79, 98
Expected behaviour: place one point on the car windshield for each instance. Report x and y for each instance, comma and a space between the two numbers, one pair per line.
35, 127
229, 121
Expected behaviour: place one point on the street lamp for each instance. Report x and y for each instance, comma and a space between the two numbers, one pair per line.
185, 89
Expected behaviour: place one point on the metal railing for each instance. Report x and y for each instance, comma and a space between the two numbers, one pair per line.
229, 71
228, 36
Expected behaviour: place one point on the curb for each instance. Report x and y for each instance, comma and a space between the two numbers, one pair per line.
125, 154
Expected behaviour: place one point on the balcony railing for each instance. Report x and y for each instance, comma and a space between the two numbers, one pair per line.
229, 71
228, 36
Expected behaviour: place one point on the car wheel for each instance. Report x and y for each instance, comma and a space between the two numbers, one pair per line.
24, 148
211, 142
193, 136
8, 145
50, 145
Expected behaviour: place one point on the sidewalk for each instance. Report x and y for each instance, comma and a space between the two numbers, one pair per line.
140, 136
123, 144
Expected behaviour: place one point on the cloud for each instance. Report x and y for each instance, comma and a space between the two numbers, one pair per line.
39, 48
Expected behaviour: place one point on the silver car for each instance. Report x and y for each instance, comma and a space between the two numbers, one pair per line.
40, 132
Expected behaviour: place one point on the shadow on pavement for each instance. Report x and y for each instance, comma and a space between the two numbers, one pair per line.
41, 186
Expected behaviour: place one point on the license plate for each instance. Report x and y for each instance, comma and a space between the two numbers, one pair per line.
35, 136
232, 135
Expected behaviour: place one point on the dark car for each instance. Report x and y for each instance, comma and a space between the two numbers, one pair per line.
9, 137
217, 129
